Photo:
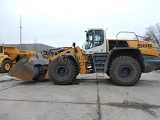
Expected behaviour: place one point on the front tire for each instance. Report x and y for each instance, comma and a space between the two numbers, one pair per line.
62, 73
6, 66
125, 70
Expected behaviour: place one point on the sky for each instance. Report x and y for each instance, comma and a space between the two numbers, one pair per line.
59, 23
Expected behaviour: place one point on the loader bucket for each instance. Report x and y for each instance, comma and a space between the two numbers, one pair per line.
23, 69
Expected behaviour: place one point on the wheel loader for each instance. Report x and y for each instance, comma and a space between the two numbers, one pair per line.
121, 59
9, 55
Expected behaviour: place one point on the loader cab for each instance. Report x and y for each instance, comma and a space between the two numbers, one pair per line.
95, 41
1, 49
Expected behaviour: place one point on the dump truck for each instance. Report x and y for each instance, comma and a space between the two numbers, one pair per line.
122, 60
9, 55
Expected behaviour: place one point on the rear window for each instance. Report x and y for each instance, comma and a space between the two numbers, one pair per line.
112, 44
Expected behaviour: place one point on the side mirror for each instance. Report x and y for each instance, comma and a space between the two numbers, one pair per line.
87, 34
74, 44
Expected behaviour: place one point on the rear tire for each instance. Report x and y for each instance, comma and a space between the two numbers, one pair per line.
62, 73
125, 70
6, 66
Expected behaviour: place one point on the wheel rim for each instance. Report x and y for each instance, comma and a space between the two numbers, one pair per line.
7, 66
125, 72
62, 71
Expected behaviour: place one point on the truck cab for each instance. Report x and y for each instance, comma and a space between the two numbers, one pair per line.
5, 61
1, 50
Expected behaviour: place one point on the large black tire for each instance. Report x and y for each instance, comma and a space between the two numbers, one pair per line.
6, 66
76, 69
125, 71
62, 73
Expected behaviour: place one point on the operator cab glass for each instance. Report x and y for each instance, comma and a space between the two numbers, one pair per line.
1, 49
94, 38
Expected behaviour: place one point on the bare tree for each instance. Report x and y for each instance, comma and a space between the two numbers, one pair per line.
152, 34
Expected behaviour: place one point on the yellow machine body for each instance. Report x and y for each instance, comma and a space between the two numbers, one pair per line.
146, 47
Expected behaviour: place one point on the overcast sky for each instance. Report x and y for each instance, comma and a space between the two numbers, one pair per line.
62, 22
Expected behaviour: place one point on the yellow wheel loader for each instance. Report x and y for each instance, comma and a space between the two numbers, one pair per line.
122, 60
9, 55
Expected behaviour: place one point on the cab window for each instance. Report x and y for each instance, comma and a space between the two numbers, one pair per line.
94, 38
99, 38
1, 49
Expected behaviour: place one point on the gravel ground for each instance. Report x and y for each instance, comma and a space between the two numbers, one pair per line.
87, 99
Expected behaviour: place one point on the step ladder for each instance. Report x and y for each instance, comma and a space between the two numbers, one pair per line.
99, 61
99, 76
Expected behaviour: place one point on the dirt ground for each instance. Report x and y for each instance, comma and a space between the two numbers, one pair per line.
87, 99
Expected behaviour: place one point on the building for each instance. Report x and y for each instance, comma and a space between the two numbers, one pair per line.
35, 46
